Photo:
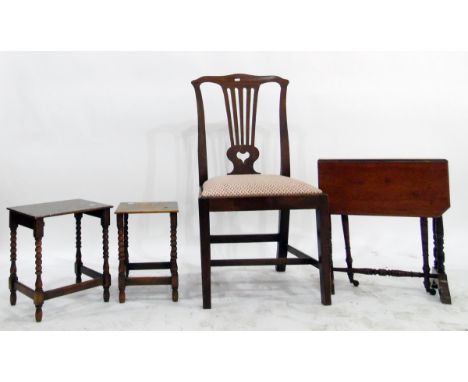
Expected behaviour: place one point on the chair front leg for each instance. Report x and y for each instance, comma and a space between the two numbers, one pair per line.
204, 216
283, 231
324, 252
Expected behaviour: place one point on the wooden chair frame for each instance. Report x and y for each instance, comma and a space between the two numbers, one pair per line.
236, 88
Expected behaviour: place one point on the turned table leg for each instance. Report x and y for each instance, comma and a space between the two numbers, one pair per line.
38, 291
122, 257
444, 291
127, 269
173, 263
78, 262
434, 251
13, 277
425, 253
106, 279
349, 258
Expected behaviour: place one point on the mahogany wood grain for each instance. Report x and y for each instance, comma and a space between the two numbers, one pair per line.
418, 188
392, 187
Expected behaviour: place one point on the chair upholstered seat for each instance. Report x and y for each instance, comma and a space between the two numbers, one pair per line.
243, 186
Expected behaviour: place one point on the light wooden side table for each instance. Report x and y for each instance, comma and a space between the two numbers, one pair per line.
125, 266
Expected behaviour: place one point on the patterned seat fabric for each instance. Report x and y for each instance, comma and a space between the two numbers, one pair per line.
242, 186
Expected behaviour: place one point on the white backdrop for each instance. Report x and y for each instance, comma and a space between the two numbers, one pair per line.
113, 127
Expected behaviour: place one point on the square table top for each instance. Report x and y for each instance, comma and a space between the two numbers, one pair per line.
146, 207
63, 207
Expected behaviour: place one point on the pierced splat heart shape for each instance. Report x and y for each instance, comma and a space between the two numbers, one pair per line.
243, 156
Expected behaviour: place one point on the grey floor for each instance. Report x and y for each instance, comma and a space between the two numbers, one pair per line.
255, 298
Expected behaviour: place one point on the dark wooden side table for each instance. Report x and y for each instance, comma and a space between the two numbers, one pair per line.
32, 216
412, 188
122, 212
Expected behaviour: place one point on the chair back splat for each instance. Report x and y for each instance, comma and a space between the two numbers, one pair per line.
240, 98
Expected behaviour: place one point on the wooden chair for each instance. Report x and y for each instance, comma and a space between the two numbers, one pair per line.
245, 190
